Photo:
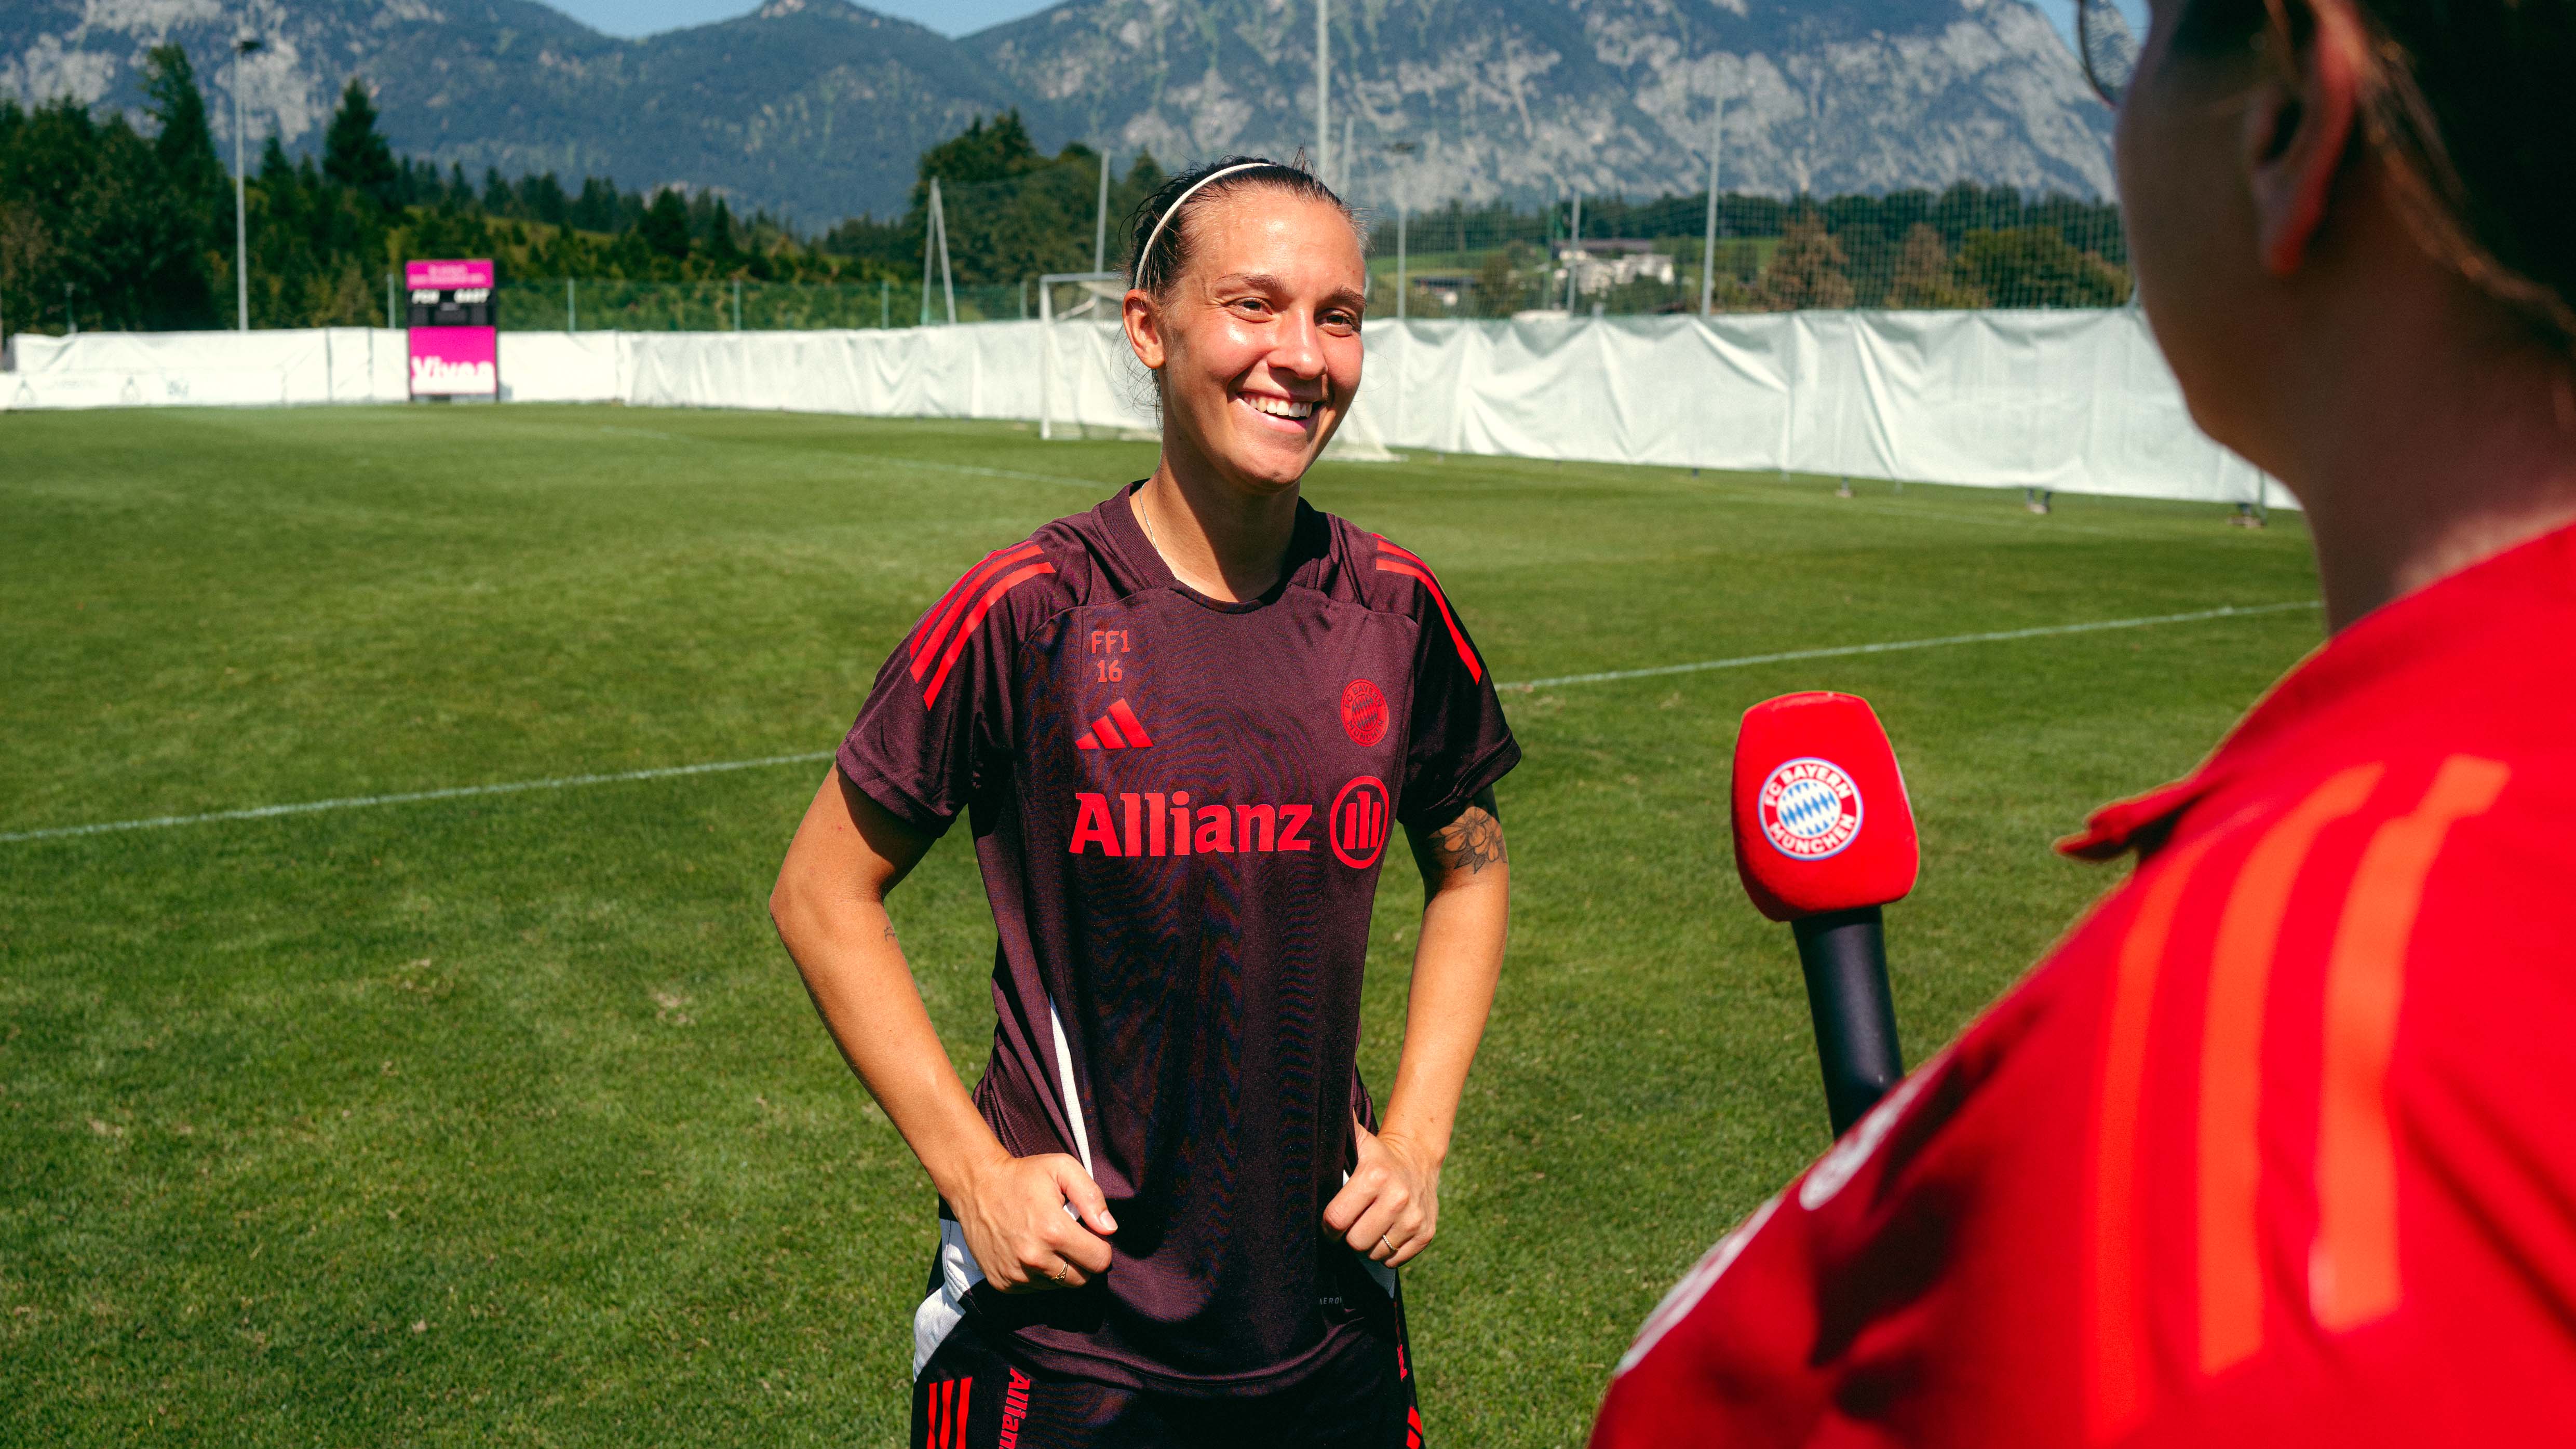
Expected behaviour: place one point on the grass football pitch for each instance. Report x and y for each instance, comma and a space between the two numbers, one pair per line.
503, 1118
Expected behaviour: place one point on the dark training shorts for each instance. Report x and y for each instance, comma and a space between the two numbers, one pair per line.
972, 1396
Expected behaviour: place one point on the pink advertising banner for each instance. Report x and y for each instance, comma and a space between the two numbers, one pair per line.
455, 348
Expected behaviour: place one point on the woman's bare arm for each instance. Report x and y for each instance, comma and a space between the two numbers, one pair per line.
1390, 1209
829, 906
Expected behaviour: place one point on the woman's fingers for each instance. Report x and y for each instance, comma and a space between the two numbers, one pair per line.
1084, 1194
1387, 1210
1028, 1224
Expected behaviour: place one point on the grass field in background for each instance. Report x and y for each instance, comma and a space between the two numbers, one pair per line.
504, 1118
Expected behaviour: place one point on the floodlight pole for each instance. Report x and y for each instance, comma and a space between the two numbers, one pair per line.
1402, 151
1400, 198
243, 48
1100, 228
1323, 88
1574, 250
1708, 247
947, 276
929, 221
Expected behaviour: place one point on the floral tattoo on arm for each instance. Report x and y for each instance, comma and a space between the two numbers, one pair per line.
1471, 841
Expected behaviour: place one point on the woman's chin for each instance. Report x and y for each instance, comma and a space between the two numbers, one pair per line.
1275, 456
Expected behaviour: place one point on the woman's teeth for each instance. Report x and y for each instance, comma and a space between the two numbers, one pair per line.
1280, 407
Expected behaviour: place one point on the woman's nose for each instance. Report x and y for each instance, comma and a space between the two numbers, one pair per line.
1300, 350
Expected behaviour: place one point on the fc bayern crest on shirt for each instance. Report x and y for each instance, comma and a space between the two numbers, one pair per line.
1363, 713
1810, 808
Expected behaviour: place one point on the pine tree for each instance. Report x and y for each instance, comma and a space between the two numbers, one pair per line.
721, 246
665, 225
354, 155
178, 284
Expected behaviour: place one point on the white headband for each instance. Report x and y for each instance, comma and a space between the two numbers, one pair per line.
1173, 210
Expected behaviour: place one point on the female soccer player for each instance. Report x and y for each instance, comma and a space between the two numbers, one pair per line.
2275, 1148
1184, 725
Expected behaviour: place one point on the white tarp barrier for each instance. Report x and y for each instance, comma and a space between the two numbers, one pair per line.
558, 367
2078, 402
204, 369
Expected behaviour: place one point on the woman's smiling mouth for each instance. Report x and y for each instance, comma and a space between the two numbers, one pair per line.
1277, 407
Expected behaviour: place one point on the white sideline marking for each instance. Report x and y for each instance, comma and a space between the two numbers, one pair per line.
359, 802
669, 772
1844, 651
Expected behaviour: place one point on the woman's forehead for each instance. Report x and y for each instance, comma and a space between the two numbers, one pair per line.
1278, 233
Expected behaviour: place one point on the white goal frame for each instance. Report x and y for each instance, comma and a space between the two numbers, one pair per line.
1097, 284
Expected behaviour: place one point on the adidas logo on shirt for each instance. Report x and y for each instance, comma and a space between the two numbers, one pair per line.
1117, 730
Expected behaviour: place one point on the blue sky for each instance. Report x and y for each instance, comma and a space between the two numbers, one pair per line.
949, 17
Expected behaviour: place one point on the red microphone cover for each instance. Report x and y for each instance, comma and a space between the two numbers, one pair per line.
1821, 818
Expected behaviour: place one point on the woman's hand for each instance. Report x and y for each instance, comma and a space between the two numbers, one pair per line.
1391, 1206
1013, 1212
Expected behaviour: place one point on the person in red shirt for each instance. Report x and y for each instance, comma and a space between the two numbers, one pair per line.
2276, 1147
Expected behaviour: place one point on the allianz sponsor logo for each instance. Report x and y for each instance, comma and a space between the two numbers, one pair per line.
1152, 823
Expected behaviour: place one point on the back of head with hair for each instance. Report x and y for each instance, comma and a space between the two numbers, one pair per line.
2467, 99
1155, 260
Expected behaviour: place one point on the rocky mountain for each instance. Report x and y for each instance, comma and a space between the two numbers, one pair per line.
1536, 97
817, 108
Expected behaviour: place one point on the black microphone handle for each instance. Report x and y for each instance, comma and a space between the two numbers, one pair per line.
1844, 954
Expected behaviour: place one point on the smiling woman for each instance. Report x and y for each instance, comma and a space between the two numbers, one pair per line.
1250, 284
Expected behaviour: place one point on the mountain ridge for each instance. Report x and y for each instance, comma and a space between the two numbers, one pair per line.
818, 109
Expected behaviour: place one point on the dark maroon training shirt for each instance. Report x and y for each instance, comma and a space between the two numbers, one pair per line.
1180, 807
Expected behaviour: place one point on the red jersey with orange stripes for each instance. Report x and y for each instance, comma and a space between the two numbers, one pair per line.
2274, 1149
1180, 807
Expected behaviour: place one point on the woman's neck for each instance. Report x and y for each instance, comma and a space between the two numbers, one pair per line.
2423, 460
1226, 543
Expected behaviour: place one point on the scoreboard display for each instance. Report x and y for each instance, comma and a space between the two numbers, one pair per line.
455, 344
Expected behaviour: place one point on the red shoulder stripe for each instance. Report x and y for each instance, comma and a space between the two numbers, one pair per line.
2353, 1275
2232, 1289
2116, 1377
934, 625
938, 612
1412, 567
973, 617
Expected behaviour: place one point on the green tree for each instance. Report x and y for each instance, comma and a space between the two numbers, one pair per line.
26, 254
355, 156
2035, 266
179, 284
1925, 277
1808, 269
185, 143
664, 227
723, 250
1497, 290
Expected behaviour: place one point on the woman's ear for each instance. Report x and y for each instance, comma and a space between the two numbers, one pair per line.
1144, 325
2298, 132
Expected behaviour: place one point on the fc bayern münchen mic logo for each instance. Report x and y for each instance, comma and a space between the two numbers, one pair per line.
1810, 809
